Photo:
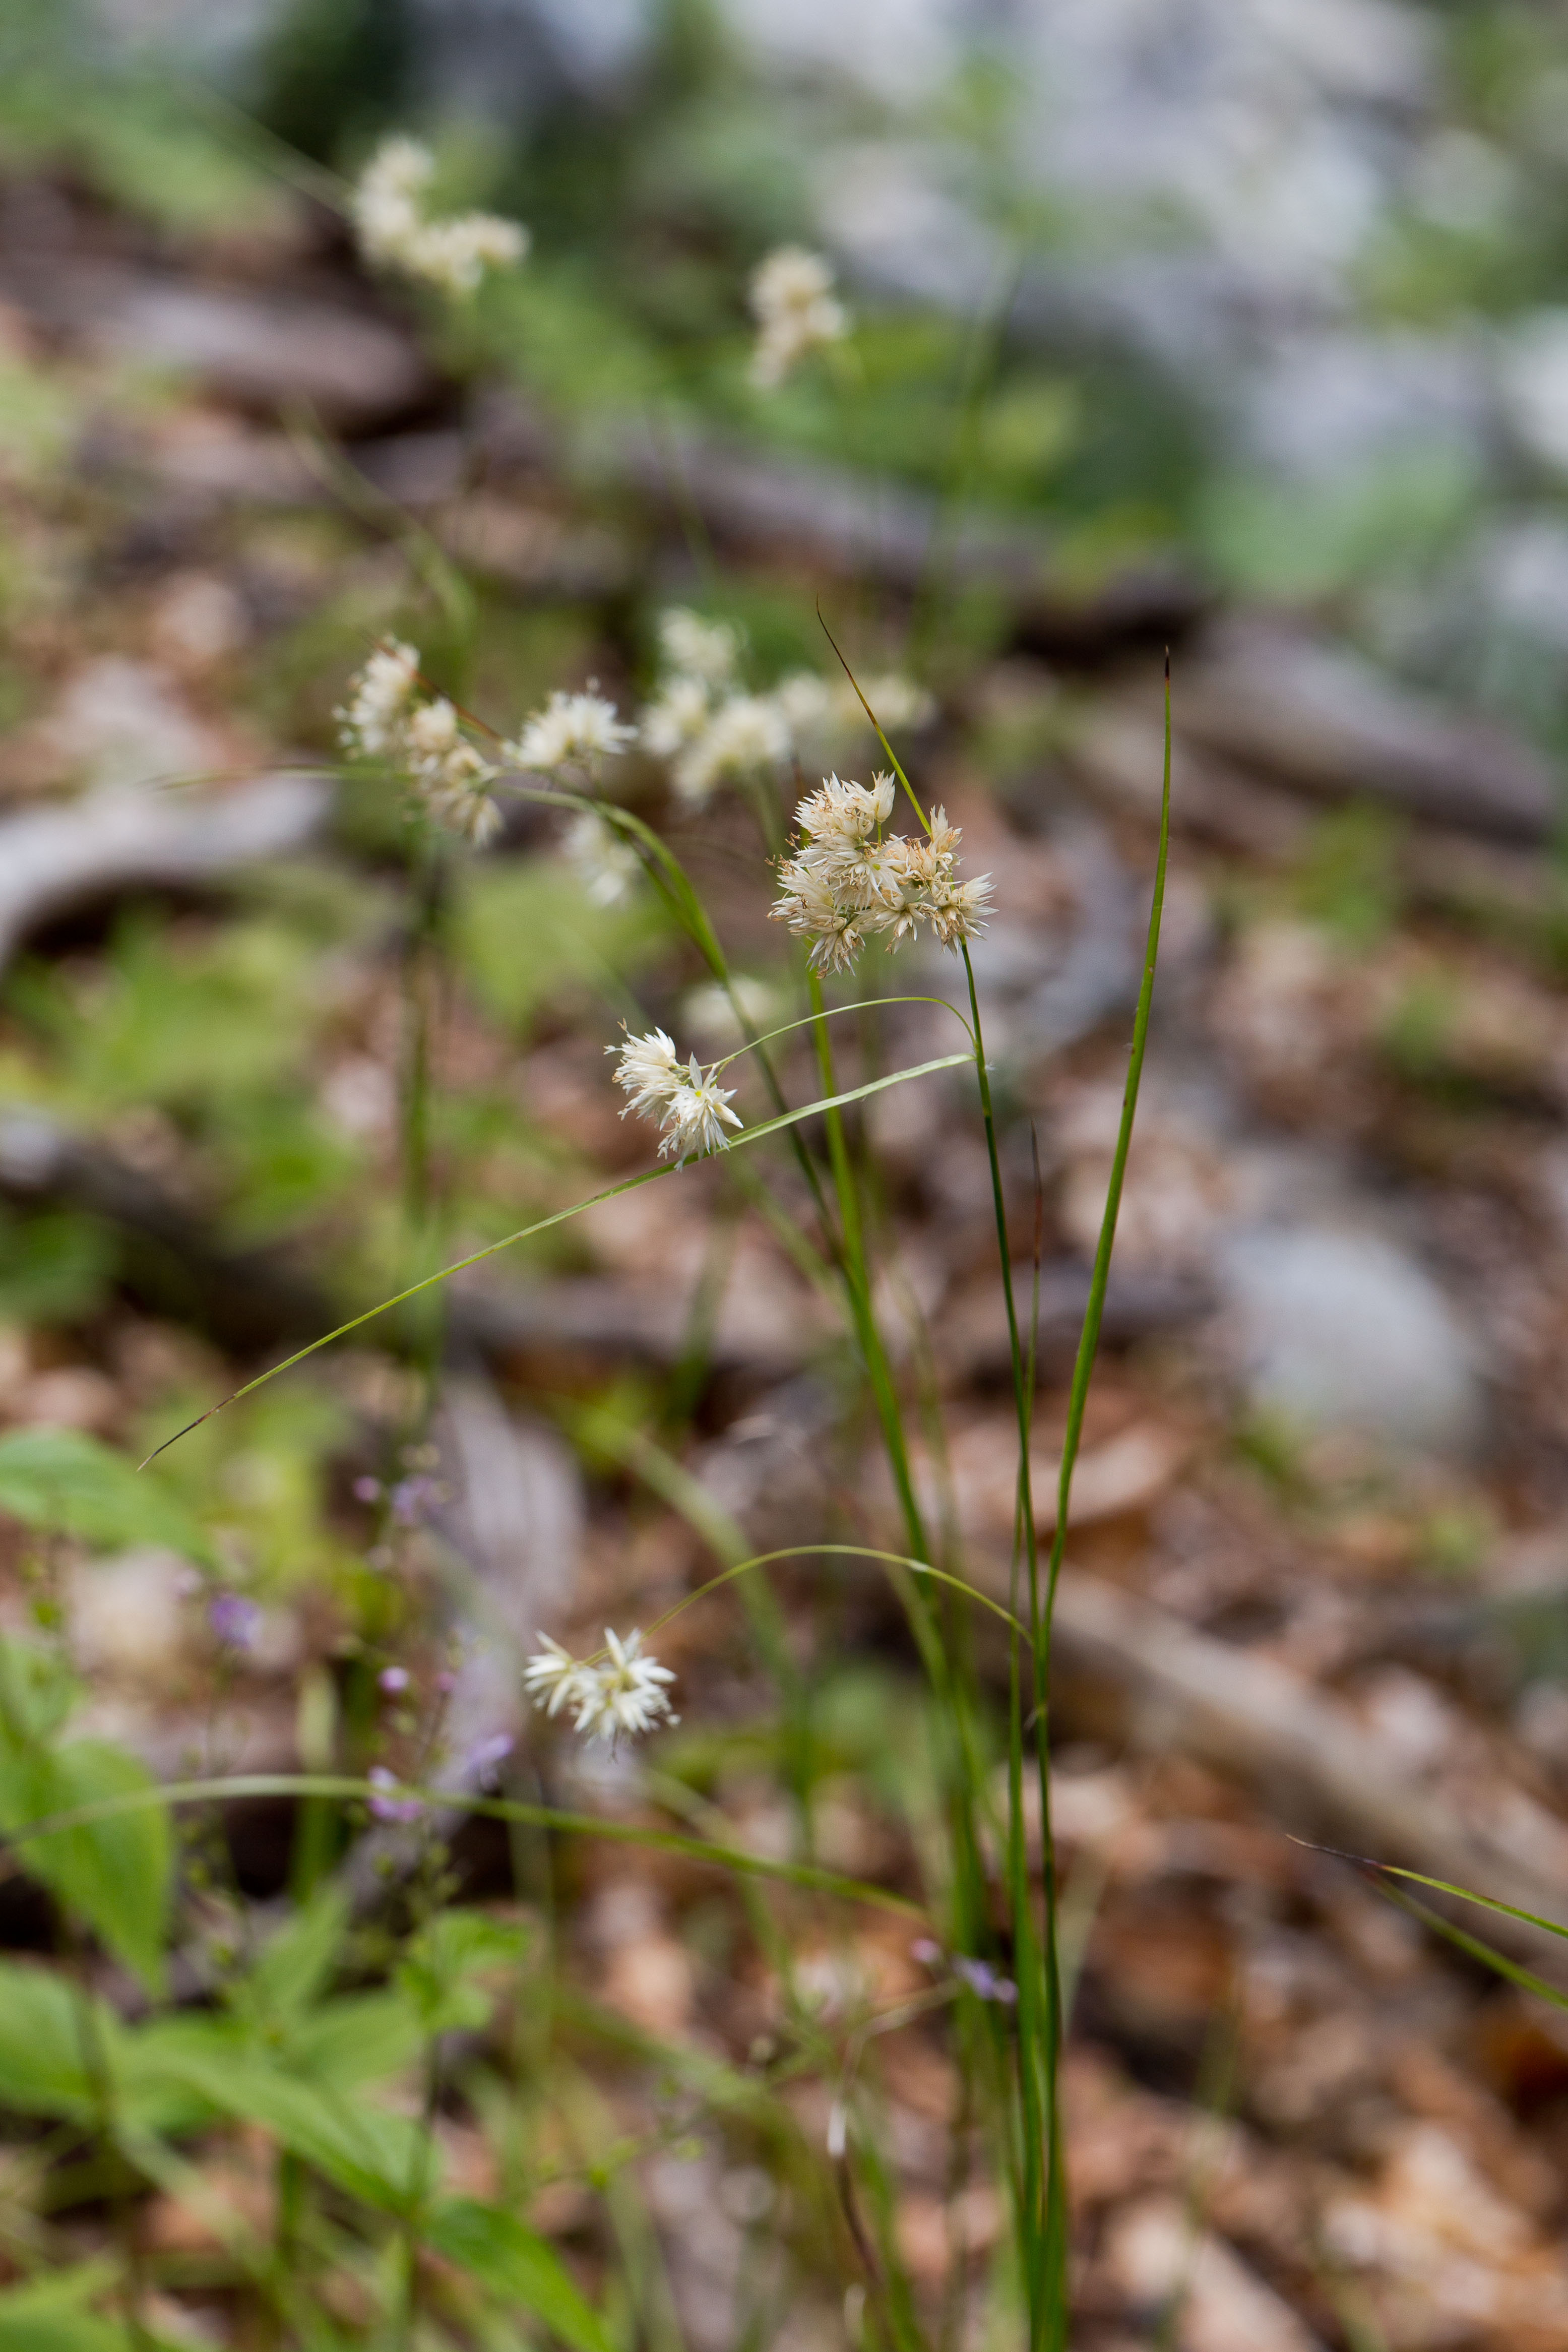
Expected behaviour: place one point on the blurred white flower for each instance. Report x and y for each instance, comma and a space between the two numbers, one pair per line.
676, 717
823, 717
796, 309
693, 647
385, 718
395, 232
451, 776
605, 860
582, 727
371, 721
550, 1676
743, 737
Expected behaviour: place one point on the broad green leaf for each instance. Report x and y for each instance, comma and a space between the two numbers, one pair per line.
357, 2039
515, 2263
51, 2314
115, 1874
69, 1484
377, 2156
444, 1972
295, 1966
45, 2037
37, 1692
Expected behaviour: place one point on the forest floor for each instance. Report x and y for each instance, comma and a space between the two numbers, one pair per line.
1318, 1574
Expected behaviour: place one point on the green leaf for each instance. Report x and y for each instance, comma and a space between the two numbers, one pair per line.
517, 2264
377, 2156
527, 933
51, 2314
37, 1693
361, 2038
69, 1484
296, 1965
445, 1971
44, 2045
115, 1874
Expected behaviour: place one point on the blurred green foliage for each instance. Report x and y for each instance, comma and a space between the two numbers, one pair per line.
527, 936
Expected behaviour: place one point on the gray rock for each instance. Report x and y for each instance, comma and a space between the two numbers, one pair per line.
1337, 1328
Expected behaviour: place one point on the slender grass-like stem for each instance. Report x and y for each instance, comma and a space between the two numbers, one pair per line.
954, 1713
751, 1135
1039, 1994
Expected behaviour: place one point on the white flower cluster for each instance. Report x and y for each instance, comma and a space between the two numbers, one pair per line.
849, 881
621, 1697
396, 231
389, 717
573, 729
796, 309
711, 730
691, 1106
606, 863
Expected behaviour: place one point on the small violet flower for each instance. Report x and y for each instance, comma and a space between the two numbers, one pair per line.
235, 1620
483, 1762
387, 1804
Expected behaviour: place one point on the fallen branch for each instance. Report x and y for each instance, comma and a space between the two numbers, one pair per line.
1303, 1752
54, 860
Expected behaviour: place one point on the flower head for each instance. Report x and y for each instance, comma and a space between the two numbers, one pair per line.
605, 859
744, 736
388, 1804
649, 1069
616, 1696
570, 726
235, 1620
396, 231
849, 881
691, 1108
845, 815
370, 722
796, 309
676, 717
389, 717
697, 1113
550, 1676
695, 648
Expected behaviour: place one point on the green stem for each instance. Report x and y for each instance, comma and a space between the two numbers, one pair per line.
1040, 2036
542, 1224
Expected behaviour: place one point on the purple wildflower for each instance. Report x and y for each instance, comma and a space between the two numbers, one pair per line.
413, 1499
235, 1620
366, 1490
483, 1760
984, 1983
386, 1805
394, 1679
